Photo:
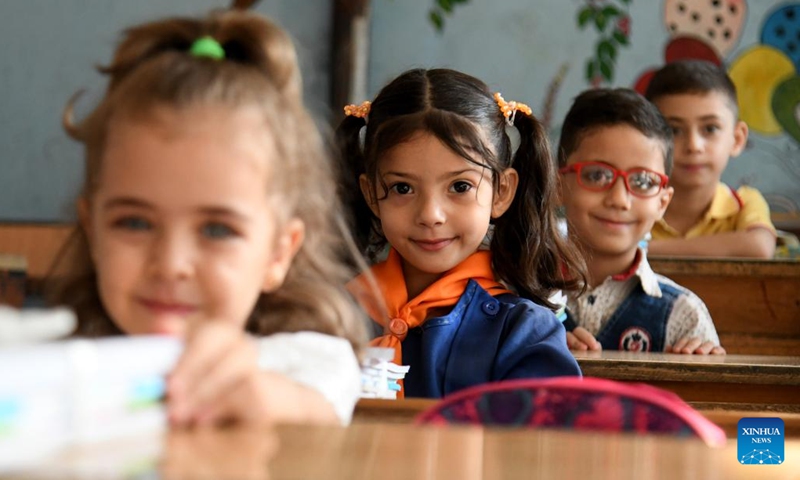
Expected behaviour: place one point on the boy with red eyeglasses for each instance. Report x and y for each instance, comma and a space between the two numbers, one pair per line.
614, 156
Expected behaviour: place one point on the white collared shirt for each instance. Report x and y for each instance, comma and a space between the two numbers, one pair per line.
689, 316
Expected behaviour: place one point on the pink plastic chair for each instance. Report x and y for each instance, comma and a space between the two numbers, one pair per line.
575, 403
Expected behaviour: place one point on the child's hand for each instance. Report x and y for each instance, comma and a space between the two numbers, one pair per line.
581, 339
217, 379
690, 345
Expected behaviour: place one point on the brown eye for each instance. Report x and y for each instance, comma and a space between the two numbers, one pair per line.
401, 188
461, 187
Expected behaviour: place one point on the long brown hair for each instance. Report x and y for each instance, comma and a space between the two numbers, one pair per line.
151, 68
528, 253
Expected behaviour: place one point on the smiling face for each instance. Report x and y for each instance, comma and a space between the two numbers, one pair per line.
611, 223
181, 227
706, 135
437, 208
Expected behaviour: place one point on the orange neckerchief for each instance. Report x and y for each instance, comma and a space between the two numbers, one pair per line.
404, 314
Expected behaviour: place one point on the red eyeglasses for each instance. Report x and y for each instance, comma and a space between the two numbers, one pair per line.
599, 177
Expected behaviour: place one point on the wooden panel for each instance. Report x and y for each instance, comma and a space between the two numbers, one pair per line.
736, 381
13, 272
391, 411
755, 304
729, 267
750, 304
38, 243
725, 415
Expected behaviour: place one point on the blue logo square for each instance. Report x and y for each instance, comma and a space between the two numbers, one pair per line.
760, 441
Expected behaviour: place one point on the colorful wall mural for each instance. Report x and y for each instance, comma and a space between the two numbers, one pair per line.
766, 73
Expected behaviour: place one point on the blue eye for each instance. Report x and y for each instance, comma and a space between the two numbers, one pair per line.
133, 224
461, 187
217, 231
400, 188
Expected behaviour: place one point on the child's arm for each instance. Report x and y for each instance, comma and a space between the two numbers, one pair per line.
219, 379
754, 243
535, 346
690, 329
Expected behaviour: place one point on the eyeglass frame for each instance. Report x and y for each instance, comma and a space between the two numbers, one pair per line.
578, 166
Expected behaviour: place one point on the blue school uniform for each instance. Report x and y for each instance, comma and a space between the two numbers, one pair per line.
485, 339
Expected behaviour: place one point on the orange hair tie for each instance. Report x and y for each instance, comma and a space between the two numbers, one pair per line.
509, 109
360, 111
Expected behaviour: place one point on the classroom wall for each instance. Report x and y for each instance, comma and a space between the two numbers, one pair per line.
49, 50
528, 48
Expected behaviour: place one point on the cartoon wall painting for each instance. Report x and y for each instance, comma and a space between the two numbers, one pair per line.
782, 31
786, 106
715, 24
699, 30
757, 72
682, 48
766, 75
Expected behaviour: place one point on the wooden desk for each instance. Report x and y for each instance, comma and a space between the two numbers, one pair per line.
38, 243
404, 411
739, 382
755, 304
381, 451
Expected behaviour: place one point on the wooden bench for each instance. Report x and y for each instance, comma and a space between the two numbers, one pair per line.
755, 304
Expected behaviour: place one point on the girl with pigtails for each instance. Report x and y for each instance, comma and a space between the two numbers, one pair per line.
430, 174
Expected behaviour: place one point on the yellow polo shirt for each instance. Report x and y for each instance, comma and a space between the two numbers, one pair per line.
730, 211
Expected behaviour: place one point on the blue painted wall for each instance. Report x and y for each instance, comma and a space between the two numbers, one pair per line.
49, 50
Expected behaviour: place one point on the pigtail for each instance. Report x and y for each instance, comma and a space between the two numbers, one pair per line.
351, 166
528, 251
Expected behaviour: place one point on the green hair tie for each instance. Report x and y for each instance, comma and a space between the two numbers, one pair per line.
207, 47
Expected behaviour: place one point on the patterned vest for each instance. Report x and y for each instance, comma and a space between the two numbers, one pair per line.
640, 323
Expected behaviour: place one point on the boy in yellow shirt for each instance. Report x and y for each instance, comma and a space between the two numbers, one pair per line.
706, 217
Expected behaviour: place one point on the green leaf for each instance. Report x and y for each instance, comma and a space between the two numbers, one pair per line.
585, 15
611, 11
445, 5
607, 70
620, 37
437, 20
626, 2
590, 69
600, 20
606, 51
